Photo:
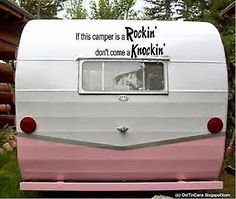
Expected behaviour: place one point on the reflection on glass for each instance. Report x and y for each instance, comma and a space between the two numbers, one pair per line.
122, 76
92, 76
154, 76
125, 76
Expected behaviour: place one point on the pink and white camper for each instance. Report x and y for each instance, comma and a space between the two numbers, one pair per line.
107, 105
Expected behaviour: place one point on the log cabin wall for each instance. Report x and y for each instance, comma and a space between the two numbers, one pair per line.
12, 20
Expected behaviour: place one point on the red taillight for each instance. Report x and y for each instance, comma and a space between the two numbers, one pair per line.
28, 125
215, 125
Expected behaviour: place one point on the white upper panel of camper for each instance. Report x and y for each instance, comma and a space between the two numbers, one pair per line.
78, 39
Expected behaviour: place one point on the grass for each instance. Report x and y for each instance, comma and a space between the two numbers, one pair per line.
3, 133
229, 184
10, 177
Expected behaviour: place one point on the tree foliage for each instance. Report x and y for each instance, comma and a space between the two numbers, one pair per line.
103, 10
76, 9
123, 8
160, 9
42, 8
108, 9
191, 9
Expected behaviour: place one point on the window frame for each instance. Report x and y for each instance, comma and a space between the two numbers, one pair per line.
160, 92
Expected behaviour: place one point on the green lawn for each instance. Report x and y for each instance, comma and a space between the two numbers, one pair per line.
10, 178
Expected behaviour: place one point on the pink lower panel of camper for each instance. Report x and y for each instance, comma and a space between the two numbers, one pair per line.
196, 160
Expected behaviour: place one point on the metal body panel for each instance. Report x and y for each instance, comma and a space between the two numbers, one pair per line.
70, 116
184, 41
63, 76
52, 98
198, 159
47, 89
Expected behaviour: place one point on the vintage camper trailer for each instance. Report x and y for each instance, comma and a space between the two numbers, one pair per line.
120, 105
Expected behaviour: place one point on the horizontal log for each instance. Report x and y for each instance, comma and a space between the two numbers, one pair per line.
8, 37
7, 119
7, 78
8, 53
5, 108
5, 68
6, 73
6, 98
5, 87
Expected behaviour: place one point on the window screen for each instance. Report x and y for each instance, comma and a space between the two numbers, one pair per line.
123, 76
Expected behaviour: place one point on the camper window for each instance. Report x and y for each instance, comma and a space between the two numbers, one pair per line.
122, 76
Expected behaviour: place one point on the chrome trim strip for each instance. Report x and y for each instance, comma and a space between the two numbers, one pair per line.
135, 146
164, 58
75, 90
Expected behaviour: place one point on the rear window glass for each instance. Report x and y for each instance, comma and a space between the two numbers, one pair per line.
124, 76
